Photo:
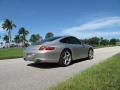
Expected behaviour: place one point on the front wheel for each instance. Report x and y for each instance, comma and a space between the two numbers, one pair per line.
65, 58
90, 54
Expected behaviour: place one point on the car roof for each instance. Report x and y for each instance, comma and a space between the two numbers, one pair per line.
66, 36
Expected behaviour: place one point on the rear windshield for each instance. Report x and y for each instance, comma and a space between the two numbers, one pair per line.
47, 40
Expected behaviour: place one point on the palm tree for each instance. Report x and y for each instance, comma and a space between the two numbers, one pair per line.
8, 26
0, 37
6, 39
23, 33
17, 39
1, 43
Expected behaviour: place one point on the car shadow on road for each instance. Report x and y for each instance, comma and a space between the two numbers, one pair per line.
79, 60
44, 65
53, 65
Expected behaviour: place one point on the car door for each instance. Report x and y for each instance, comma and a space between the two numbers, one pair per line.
78, 48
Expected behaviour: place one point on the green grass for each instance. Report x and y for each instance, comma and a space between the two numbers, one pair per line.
9, 53
104, 76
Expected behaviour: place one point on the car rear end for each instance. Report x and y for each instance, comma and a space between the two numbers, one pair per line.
42, 53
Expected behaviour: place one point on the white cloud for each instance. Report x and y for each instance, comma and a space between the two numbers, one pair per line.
1, 26
92, 26
99, 34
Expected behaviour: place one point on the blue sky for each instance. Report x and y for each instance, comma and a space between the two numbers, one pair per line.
81, 18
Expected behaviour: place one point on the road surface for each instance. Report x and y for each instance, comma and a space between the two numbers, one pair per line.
16, 74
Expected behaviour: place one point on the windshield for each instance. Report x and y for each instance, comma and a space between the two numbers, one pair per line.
47, 40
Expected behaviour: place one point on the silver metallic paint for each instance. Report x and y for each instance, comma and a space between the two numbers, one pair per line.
78, 51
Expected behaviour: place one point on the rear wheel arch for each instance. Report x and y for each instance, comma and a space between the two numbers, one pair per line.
90, 49
68, 50
60, 59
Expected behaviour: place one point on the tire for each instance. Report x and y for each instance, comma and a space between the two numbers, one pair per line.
65, 58
90, 54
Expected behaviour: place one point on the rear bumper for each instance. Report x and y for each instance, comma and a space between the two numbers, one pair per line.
42, 56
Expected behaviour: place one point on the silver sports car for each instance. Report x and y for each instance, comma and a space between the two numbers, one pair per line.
61, 49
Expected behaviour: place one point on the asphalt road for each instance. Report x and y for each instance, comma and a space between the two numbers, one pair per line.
16, 74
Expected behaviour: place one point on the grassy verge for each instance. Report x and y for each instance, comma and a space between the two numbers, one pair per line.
104, 76
9, 53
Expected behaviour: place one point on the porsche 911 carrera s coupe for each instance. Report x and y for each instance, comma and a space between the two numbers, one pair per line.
60, 49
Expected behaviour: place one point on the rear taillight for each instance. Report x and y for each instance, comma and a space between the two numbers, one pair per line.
46, 48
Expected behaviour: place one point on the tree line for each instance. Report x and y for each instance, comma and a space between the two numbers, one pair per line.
8, 26
100, 41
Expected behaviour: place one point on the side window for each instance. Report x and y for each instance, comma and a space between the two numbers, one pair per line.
65, 40
74, 40
70, 40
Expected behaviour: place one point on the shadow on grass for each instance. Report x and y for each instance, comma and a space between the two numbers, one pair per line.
52, 65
